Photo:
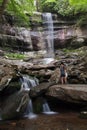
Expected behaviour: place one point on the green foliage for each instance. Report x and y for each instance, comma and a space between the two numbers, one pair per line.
59, 6
15, 55
67, 7
64, 8
48, 6
20, 8
79, 3
1, 2
80, 51
80, 6
49, 1
82, 21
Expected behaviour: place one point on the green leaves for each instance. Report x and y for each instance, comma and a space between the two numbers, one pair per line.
80, 6
50, 1
19, 8
67, 7
79, 3
64, 8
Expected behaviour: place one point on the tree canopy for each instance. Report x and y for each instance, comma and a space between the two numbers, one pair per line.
79, 3
69, 7
22, 7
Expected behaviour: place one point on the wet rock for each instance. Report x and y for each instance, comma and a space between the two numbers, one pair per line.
14, 105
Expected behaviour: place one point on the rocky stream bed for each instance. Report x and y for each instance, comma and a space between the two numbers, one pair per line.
13, 96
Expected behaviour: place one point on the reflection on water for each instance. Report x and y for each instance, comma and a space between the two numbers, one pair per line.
64, 121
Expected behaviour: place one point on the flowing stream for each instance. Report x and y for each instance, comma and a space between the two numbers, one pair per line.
27, 84
65, 120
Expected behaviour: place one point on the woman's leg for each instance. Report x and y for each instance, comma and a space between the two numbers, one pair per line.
62, 80
65, 80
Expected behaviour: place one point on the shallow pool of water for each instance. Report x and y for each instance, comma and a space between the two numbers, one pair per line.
61, 121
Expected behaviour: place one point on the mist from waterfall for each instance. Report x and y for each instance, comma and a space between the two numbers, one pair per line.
49, 37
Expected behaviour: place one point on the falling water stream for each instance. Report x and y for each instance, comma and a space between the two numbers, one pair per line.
49, 37
27, 84
46, 109
29, 111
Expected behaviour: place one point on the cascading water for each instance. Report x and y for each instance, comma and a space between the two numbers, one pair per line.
49, 38
27, 84
29, 111
46, 109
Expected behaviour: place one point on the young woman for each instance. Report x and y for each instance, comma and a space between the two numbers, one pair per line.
63, 74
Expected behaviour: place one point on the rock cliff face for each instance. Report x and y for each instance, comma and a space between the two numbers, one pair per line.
65, 33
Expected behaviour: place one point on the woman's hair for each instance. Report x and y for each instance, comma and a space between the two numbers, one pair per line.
62, 63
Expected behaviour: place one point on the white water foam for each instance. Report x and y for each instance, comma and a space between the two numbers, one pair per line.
47, 110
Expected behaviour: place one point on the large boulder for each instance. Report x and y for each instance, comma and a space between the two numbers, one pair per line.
69, 93
14, 106
40, 90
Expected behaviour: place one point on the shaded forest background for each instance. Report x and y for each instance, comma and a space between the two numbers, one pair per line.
66, 8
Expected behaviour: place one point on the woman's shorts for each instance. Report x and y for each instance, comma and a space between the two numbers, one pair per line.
62, 75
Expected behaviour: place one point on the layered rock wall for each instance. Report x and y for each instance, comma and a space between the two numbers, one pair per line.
65, 33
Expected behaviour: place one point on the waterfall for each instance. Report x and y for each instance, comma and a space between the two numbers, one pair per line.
49, 38
29, 111
46, 109
27, 84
